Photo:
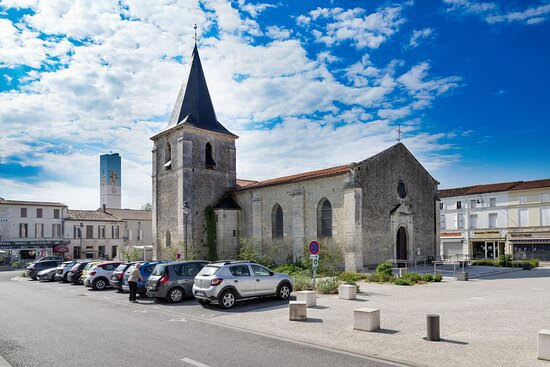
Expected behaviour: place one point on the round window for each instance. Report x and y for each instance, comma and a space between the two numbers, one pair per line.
401, 190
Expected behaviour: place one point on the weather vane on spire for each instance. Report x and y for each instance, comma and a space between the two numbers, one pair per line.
399, 131
195, 37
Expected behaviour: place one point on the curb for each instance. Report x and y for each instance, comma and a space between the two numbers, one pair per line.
494, 273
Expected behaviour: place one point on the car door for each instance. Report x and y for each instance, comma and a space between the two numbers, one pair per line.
243, 280
264, 281
188, 274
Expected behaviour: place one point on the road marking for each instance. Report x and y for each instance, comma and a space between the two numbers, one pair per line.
194, 363
141, 311
16, 278
178, 320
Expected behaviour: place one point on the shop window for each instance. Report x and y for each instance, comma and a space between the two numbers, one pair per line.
101, 251
76, 252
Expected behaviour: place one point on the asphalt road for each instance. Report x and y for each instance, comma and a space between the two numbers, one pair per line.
56, 324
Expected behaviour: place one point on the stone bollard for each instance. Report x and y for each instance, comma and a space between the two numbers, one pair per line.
543, 344
433, 327
309, 297
462, 275
297, 311
367, 319
347, 291
402, 271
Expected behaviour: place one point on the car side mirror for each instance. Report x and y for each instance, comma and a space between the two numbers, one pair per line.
271, 273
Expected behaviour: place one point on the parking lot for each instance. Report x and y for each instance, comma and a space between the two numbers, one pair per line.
484, 322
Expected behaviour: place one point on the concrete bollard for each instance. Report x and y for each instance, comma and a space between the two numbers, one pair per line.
433, 328
462, 275
402, 271
347, 291
297, 311
543, 344
309, 297
367, 319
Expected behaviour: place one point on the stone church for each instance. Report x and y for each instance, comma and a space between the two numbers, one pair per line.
381, 208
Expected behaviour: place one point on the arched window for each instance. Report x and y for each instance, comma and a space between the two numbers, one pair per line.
209, 161
277, 229
324, 218
167, 156
168, 239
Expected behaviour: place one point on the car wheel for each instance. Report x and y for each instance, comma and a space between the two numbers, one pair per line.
204, 302
65, 280
284, 291
175, 295
227, 299
34, 278
99, 284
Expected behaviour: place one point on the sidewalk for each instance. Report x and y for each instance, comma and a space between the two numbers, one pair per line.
489, 321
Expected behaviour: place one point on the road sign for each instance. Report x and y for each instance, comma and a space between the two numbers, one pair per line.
314, 257
314, 247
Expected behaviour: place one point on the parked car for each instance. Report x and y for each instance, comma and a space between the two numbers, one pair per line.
230, 281
117, 278
76, 271
173, 281
98, 276
59, 258
33, 269
63, 270
145, 270
87, 269
47, 274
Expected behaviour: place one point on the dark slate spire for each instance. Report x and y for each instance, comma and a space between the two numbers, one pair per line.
194, 106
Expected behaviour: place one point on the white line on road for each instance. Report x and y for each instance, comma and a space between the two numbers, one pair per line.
16, 278
194, 363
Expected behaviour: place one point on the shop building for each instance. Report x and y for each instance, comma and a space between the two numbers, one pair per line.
485, 221
30, 230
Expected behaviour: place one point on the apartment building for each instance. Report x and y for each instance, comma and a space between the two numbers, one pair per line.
485, 221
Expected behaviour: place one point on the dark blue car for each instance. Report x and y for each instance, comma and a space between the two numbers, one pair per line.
145, 270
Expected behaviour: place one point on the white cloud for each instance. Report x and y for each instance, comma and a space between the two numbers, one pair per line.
254, 9
278, 33
355, 25
419, 35
492, 13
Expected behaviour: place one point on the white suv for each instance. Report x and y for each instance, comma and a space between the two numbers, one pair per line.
98, 276
226, 282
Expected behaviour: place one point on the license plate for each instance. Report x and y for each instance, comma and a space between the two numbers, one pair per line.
200, 293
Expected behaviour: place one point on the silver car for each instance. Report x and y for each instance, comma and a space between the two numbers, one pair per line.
229, 281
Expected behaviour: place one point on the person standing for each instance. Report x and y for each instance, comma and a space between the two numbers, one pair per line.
134, 277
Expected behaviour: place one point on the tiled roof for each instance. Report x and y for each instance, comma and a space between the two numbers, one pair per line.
130, 214
94, 215
496, 187
37, 203
241, 182
536, 184
311, 175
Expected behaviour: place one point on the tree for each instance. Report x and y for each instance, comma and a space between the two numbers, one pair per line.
147, 206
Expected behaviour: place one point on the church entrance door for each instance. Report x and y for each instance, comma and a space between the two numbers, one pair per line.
401, 245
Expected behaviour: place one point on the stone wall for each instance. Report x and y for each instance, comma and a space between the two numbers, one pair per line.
189, 180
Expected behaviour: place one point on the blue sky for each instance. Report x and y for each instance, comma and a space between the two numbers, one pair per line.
304, 84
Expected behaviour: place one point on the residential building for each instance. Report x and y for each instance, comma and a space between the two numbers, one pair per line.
485, 221
30, 230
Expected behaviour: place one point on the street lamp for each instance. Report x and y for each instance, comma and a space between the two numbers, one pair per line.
185, 214
80, 235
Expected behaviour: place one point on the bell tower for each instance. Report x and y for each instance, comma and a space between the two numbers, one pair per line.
109, 181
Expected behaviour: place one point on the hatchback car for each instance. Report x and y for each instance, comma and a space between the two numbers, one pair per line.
87, 268
117, 278
63, 270
76, 272
33, 269
173, 281
229, 281
98, 276
145, 270
46, 275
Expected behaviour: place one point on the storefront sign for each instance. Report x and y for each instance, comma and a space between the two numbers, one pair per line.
487, 234
35, 243
60, 248
521, 235
450, 234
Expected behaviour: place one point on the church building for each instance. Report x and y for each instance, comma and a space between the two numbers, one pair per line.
383, 207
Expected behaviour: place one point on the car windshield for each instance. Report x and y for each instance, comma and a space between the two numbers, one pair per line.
93, 267
159, 270
75, 266
209, 270
88, 266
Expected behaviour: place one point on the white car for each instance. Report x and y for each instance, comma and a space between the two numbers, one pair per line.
63, 270
98, 276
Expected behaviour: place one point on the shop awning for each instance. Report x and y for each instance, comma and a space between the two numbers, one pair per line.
60, 248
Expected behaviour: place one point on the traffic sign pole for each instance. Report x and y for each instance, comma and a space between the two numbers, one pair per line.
314, 249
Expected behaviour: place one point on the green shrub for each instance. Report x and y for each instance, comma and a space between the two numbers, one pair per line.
373, 277
504, 260
350, 278
385, 270
427, 277
401, 281
484, 262
331, 259
438, 277
534, 263
302, 282
413, 278
248, 250
292, 268
328, 285
15, 264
